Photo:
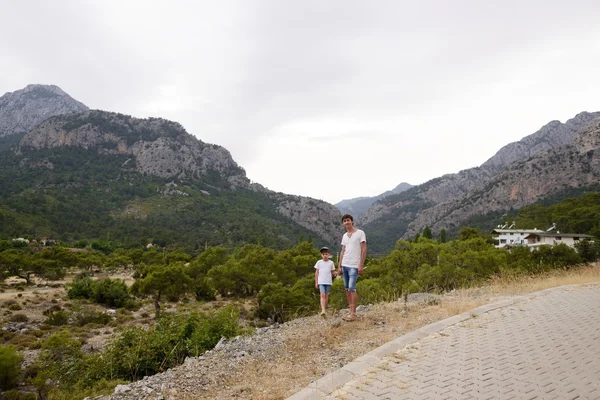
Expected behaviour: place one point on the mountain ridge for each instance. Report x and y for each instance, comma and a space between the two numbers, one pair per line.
432, 203
72, 151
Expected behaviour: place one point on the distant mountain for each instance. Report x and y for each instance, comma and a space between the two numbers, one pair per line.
111, 177
23, 109
359, 205
559, 157
552, 135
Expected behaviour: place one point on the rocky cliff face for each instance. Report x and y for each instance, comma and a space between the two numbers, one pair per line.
157, 146
315, 215
23, 109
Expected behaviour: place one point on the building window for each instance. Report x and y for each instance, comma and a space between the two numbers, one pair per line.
502, 241
575, 238
558, 238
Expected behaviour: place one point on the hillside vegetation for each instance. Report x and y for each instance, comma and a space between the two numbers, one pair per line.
181, 304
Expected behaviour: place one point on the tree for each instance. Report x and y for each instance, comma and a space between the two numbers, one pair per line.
468, 232
170, 280
589, 250
209, 258
443, 236
427, 233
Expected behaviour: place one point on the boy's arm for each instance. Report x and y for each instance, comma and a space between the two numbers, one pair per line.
317, 278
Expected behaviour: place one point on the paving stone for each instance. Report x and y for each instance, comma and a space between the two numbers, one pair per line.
541, 346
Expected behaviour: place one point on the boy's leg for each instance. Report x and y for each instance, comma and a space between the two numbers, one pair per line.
323, 302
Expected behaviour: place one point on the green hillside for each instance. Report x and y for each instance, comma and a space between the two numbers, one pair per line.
86, 195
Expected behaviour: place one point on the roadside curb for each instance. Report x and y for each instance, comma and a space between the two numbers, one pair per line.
336, 379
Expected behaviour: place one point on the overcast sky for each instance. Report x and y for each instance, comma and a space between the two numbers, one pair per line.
327, 99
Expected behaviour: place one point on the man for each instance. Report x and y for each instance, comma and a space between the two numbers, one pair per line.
352, 261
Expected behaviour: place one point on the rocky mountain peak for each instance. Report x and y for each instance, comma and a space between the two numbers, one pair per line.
23, 109
158, 146
552, 135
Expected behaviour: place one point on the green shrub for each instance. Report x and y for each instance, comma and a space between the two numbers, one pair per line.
110, 292
58, 318
18, 318
136, 352
204, 290
15, 307
80, 288
10, 367
89, 316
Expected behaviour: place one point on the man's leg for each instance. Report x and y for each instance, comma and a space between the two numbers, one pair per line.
346, 276
352, 302
351, 292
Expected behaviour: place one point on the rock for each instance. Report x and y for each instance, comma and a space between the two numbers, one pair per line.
122, 389
221, 343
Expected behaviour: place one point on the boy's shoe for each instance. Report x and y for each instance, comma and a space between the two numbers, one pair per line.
323, 314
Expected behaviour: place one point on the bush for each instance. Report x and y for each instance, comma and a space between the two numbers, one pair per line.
15, 307
91, 317
204, 291
110, 292
57, 318
10, 367
80, 288
136, 352
18, 318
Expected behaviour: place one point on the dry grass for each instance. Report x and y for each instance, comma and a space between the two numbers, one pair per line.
321, 347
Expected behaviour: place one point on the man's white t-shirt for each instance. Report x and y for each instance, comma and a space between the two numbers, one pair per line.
325, 268
352, 251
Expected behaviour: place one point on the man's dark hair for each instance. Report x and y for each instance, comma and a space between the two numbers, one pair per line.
346, 216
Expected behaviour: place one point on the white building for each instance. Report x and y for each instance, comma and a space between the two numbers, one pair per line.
535, 237
513, 237
535, 240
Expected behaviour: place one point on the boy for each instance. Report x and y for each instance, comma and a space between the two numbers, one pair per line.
323, 277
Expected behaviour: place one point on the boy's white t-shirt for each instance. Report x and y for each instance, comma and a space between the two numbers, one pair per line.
352, 251
325, 268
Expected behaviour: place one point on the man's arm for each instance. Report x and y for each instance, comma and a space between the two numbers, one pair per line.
340, 260
363, 256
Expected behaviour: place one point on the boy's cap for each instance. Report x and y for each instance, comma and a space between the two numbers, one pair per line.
324, 249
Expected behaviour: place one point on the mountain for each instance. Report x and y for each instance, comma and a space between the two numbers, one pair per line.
23, 109
546, 163
110, 177
359, 205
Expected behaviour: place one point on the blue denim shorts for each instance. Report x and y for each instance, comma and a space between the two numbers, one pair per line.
324, 288
350, 276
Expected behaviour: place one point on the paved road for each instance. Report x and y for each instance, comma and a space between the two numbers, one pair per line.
541, 346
